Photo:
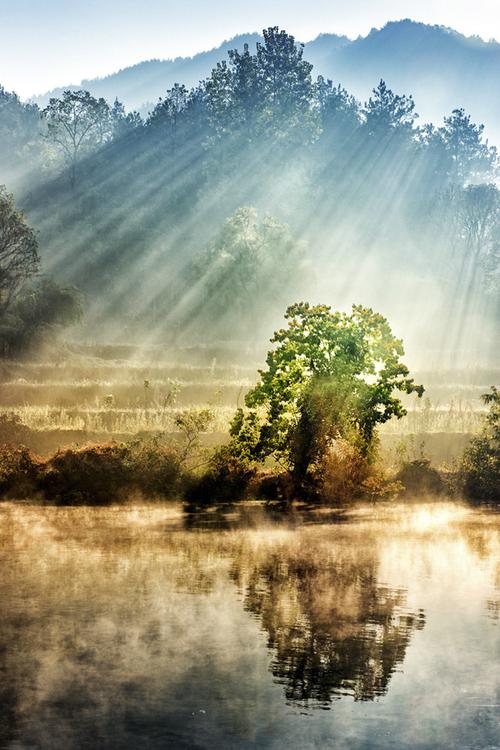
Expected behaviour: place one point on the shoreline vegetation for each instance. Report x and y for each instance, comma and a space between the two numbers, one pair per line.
307, 433
151, 470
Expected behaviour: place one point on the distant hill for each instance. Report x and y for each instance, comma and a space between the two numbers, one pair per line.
440, 67
140, 86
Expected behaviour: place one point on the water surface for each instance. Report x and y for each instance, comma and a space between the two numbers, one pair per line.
138, 627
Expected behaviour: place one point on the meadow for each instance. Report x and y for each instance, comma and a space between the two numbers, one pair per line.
111, 394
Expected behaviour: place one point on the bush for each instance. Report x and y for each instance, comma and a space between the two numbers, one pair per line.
340, 474
480, 469
346, 473
420, 478
12, 430
95, 475
155, 468
226, 480
19, 471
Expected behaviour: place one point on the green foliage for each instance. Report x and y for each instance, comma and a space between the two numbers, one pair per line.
480, 470
154, 467
331, 375
78, 124
225, 479
38, 314
20, 135
339, 112
249, 264
95, 475
386, 113
49, 304
191, 423
268, 94
259, 131
169, 112
462, 139
418, 477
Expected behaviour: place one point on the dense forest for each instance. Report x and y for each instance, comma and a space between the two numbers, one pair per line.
264, 184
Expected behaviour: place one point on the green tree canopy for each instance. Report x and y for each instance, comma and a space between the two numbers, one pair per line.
77, 124
269, 94
481, 462
387, 113
469, 154
250, 265
329, 375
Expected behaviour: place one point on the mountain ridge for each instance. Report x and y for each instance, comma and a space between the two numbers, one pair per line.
442, 68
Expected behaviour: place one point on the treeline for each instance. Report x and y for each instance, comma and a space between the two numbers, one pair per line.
132, 199
268, 97
33, 308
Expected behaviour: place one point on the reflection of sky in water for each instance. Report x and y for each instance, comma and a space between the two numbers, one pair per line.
121, 629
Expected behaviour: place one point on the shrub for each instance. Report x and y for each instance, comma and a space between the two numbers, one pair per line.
100, 474
480, 469
155, 468
12, 430
94, 475
341, 472
19, 471
420, 478
226, 479
345, 473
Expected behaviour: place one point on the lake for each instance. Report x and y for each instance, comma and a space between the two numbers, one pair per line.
140, 627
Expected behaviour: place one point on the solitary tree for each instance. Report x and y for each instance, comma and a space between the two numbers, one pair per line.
331, 375
77, 124
18, 250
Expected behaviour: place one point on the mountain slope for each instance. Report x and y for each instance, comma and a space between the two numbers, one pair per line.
441, 68
141, 85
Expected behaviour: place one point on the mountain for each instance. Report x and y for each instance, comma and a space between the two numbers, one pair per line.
139, 86
440, 67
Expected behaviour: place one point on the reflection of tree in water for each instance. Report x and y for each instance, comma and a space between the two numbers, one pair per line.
334, 630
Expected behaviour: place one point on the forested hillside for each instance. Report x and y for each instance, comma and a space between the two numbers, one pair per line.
263, 184
442, 68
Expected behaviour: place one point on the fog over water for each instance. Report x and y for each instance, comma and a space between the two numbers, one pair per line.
136, 626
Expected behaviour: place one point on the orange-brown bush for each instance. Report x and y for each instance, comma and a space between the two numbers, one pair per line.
104, 473
345, 473
93, 475
19, 471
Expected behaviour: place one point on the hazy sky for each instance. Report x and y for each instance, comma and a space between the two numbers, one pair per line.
46, 43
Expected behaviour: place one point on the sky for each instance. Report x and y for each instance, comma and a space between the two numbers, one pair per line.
49, 43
